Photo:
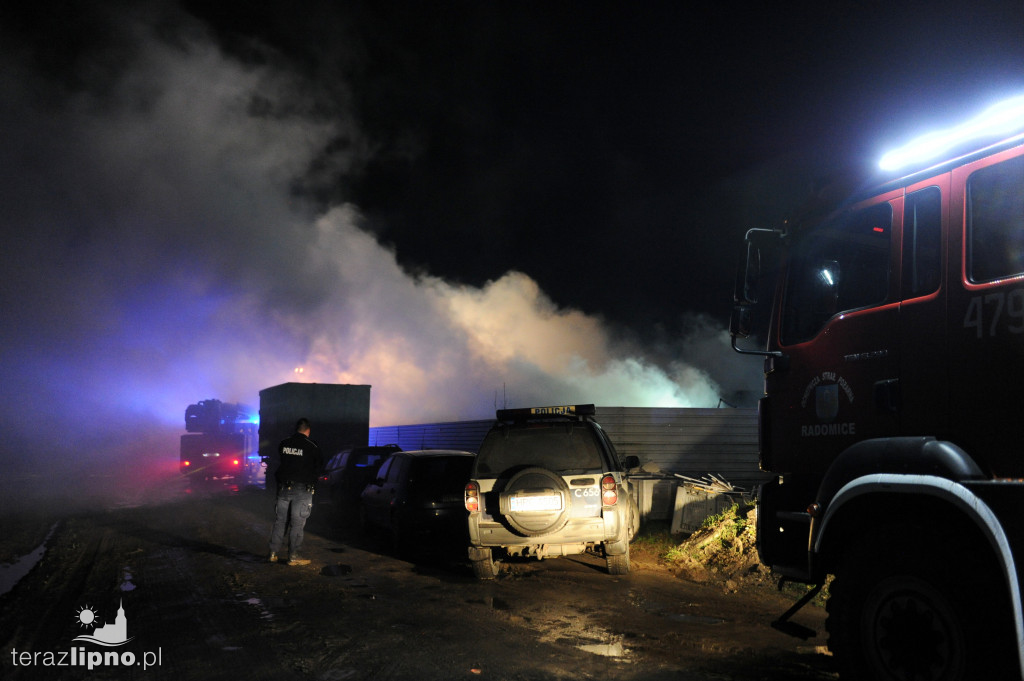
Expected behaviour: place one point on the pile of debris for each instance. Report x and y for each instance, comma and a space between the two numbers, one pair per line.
723, 550
711, 483
698, 499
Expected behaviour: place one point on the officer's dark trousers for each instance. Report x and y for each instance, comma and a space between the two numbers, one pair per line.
293, 506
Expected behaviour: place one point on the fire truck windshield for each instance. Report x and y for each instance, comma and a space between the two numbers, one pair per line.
841, 266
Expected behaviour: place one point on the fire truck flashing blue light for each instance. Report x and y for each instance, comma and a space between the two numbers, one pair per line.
1004, 118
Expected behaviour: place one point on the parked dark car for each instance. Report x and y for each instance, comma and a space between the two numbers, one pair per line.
349, 471
418, 498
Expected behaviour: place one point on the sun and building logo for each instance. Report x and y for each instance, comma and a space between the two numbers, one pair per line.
110, 635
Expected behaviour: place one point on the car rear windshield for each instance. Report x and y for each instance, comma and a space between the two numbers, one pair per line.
441, 475
366, 459
559, 447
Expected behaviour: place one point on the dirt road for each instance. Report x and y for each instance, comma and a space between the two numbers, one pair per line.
199, 602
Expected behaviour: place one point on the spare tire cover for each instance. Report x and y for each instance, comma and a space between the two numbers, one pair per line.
540, 485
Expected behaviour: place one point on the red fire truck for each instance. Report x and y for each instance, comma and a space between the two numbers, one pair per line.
221, 442
893, 411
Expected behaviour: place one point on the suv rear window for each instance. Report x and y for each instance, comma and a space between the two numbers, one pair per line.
559, 447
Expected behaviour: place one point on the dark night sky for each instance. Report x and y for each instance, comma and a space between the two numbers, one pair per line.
591, 144
448, 200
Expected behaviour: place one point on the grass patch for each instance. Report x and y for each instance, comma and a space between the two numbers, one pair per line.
722, 550
653, 541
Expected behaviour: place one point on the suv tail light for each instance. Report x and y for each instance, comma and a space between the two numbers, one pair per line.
472, 497
609, 496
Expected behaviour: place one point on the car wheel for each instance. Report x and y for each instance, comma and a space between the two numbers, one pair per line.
485, 568
535, 482
364, 520
401, 538
634, 517
618, 565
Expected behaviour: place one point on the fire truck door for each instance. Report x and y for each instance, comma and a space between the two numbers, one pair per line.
840, 384
919, 397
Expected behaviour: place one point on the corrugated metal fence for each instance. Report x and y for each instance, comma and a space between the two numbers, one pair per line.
466, 435
690, 442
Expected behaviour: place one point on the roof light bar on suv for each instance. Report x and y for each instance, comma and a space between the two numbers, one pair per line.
525, 413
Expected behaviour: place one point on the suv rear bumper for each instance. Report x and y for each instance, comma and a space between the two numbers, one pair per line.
590, 530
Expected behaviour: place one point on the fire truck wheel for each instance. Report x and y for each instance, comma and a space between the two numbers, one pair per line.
898, 609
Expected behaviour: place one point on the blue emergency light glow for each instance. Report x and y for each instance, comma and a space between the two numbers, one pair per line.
1001, 119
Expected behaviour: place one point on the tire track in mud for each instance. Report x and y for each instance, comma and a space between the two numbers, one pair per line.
42, 622
203, 629
174, 589
189, 596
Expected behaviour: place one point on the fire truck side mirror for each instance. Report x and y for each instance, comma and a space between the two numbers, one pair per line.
755, 279
741, 322
761, 249
748, 276
751, 273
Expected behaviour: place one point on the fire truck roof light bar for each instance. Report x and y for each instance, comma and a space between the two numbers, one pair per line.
1003, 118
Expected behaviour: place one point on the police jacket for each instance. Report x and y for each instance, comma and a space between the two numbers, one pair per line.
301, 460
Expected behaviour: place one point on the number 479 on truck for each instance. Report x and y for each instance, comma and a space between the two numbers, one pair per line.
892, 421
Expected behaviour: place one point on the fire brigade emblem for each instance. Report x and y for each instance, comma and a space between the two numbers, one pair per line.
825, 391
826, 402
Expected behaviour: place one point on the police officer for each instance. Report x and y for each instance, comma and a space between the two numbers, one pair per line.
300, 464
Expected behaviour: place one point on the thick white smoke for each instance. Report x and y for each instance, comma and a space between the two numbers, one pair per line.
437, 351
155, 256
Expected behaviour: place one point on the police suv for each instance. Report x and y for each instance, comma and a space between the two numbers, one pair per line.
548, 482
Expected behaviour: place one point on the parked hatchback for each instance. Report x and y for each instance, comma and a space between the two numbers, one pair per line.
417, 497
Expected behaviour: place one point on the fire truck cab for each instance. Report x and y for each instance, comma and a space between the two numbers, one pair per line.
892, 418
